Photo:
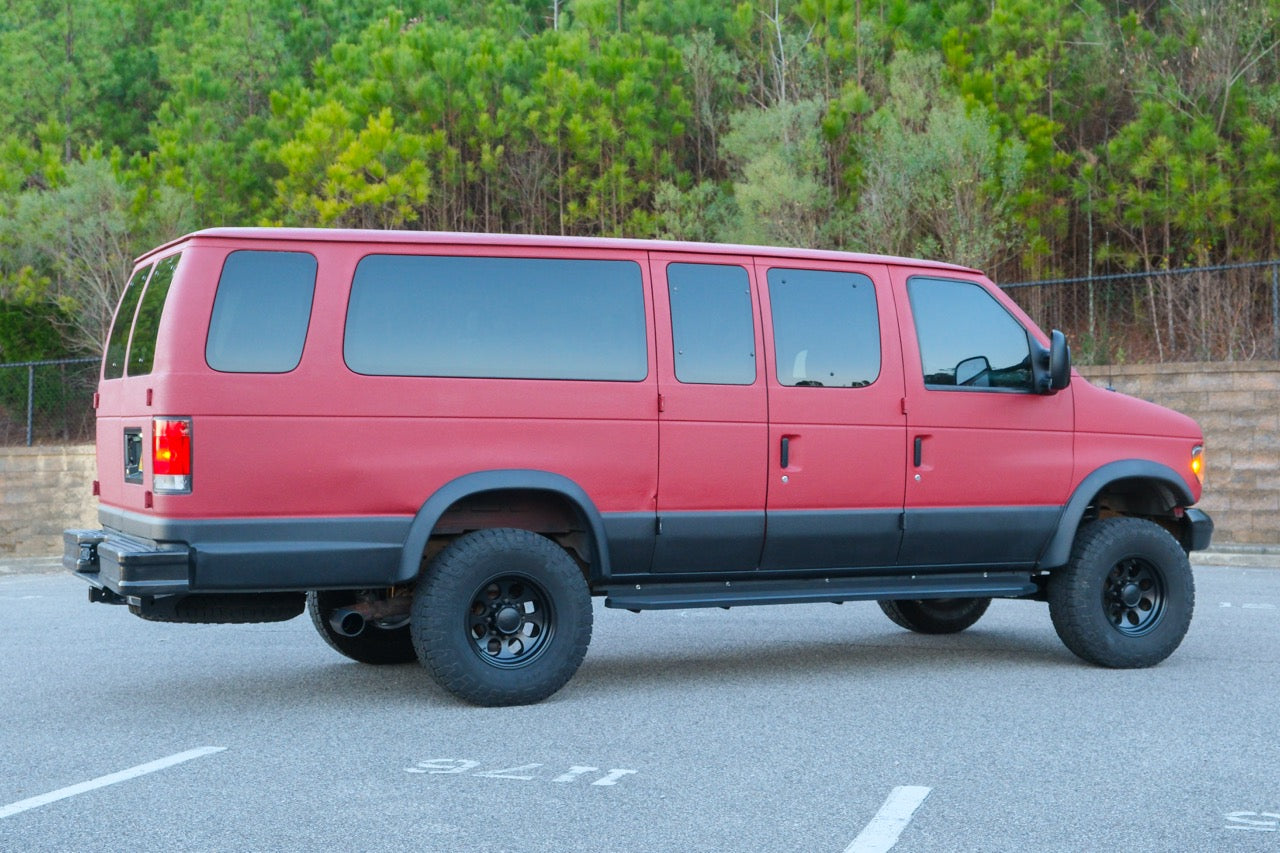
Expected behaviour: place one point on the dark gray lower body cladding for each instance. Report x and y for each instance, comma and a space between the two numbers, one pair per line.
673, 596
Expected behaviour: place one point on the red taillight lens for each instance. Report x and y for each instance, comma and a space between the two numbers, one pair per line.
171, 455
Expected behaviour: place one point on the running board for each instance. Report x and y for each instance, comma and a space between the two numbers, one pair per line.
740, 593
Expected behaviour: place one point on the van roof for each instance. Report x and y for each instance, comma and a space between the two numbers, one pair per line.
428, 238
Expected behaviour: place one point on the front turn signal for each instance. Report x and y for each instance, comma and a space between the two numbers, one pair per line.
1197, 462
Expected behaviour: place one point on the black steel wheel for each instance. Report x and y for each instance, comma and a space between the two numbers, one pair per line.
1134, 596
502, 617
935, 615
383, 641
1125, 598
511, 621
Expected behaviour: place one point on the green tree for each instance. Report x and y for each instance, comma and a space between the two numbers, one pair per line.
939, 180
73, 243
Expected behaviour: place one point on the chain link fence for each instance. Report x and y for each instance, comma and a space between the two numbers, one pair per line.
47, 402
1220, 313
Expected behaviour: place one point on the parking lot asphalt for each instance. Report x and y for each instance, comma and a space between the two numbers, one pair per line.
801, 727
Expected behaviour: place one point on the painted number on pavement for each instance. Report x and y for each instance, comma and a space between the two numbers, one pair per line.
522, 772
1253, 821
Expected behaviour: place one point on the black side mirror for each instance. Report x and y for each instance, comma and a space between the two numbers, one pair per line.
1059, 360
1053, 365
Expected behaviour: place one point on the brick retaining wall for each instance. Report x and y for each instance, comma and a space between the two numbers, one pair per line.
42, 491
46, 489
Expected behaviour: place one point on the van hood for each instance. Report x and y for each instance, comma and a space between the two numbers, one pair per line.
1099, 410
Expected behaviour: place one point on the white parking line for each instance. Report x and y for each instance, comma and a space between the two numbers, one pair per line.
103, 781
882, 833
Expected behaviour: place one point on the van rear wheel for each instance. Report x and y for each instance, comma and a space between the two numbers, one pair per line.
1125, 598
502, 617
935, 615
375, 644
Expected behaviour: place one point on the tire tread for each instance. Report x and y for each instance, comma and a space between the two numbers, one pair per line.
1075, 594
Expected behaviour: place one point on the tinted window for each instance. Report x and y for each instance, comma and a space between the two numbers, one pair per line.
118, 343
826, 331
711, 324
142, 344
967, 338
261, 312
515, 318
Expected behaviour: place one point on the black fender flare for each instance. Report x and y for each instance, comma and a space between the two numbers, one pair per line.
1058, 551
428, 516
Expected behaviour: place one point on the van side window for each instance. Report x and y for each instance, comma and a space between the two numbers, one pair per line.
142, 344
967, 338
118, 342
826, 332
711, 324
502, 318
261, 312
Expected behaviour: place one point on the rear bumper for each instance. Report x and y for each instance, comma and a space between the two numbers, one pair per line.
126, 566
139, 556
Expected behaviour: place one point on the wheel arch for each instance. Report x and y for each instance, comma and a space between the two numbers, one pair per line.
478, 483
1139, 487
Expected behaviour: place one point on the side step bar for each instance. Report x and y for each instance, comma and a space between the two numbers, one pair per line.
740, 593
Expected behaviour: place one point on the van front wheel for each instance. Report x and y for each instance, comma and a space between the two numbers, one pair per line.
502, 617
1125, 598
935, 616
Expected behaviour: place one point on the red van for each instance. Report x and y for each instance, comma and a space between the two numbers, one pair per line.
442, 445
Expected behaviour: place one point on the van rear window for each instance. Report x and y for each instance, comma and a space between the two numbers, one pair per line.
512, 318
146, 327
261, 312
118, 343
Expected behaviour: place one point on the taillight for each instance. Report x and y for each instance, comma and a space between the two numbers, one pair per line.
171, 455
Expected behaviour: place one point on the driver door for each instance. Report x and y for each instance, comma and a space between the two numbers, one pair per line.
985, 451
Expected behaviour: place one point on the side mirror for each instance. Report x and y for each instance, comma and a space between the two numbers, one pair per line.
974, 372
1059, 361
1053, 365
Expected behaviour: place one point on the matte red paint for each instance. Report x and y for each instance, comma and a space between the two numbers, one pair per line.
323, 441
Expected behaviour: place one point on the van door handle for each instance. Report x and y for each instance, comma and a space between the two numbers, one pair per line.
786, 451
918, 453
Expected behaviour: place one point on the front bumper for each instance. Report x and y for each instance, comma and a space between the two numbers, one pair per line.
121, 566
1199, 529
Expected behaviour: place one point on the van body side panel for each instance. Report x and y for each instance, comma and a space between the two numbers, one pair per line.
835, 500
713, 426
322, 443
981, 459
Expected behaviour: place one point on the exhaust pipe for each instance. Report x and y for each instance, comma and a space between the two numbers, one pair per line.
347, 622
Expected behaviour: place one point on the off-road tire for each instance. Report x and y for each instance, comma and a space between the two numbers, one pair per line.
374, 645
1125, 598
935, 615
502, 617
